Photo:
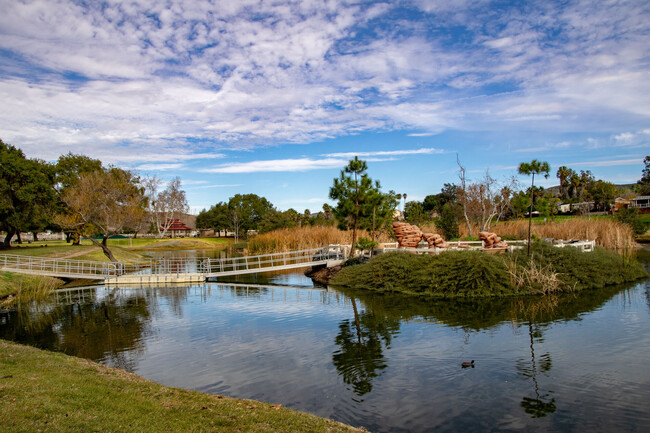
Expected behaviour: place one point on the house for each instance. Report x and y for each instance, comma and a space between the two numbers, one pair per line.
620, 203
564, 207
642, 203
177, 228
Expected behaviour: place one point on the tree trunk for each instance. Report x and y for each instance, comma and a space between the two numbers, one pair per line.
6, 244
530, 212
354, 234
103, 245
35, 234
18, 239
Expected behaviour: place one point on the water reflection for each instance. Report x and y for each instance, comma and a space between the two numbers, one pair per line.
110, 329
361, 343
386, 362
542, 404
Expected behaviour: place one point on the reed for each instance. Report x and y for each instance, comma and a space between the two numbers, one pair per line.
22, 289
302, 238
535, 277
608, 233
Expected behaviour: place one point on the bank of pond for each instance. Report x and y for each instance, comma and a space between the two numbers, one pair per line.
547, 270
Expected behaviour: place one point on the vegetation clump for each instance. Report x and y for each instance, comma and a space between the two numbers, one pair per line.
478, 274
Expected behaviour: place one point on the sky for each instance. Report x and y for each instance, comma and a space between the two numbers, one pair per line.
274, 97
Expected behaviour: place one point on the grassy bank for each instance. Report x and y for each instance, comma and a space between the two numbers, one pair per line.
46, 391
478, 274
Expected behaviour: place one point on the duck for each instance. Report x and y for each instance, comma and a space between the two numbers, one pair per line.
468, 364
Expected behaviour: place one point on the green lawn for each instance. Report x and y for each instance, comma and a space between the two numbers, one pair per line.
47, 391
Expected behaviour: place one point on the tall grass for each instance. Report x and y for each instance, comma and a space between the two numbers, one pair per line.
21, 289
302, 238
608, 233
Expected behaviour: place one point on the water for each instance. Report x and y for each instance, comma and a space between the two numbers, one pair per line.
388, 363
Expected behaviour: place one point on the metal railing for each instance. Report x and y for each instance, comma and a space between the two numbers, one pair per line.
275, 261
67, 267
585, 246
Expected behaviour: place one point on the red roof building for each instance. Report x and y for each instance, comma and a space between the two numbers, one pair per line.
177, 228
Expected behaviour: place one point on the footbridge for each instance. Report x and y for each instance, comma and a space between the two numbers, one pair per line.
174, 270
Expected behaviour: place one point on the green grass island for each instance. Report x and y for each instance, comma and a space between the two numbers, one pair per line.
470, 274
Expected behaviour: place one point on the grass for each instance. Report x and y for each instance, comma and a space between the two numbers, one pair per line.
46, 391
607, 232
302, 238
16, 288
171, 244
468, 274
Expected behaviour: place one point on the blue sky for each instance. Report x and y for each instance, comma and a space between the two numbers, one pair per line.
273, 97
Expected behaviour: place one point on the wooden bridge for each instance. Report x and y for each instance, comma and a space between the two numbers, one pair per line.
175, 269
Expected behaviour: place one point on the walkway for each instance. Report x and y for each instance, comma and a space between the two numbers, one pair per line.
172, 270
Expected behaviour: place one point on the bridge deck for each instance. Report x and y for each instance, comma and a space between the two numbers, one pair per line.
209, 268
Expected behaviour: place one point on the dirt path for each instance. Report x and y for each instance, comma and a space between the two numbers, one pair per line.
81, 252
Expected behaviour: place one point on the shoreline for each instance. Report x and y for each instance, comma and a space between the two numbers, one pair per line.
43, 390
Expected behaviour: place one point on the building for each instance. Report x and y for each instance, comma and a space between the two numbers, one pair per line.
178, 229
642, 203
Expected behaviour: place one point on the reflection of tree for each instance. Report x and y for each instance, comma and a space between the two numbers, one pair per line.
360, 356
540, 406
478, 314
108, 329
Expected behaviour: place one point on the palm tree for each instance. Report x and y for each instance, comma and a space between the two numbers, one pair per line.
531, 168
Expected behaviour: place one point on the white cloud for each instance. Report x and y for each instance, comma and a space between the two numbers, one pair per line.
299, 164
424, 150
610, 163
182, 73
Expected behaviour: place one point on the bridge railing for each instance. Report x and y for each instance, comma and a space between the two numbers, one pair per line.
62, 267
279, 260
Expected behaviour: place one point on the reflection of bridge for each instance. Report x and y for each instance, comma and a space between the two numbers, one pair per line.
172, 270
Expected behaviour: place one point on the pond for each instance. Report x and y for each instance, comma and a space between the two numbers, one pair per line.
388, 363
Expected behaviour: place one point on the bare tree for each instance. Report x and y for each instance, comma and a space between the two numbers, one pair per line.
167, 205
463, 193
486, 201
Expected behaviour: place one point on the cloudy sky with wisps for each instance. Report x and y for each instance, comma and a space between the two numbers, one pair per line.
273, 97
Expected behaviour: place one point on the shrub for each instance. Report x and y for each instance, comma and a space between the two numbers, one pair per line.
630, 216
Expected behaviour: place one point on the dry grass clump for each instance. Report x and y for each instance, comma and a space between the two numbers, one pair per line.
535, 277
302, 238
608, 233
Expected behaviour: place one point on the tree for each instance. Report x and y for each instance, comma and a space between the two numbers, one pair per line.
216, 218
564, 174
449, 219
106, 201
463, 193
531, 169
26, 191
352, 191
578, 184
246, 211
68, 169
643, 184
602, 193
377, 217
166, 206
414, 213
486, 202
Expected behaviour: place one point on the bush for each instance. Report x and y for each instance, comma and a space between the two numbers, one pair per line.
630, 216
480, 274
